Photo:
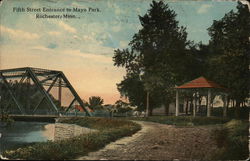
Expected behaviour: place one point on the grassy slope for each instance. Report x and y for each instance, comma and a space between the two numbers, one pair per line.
109, 130
183, 120
232, 140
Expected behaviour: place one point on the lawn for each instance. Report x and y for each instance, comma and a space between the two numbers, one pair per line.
183, 120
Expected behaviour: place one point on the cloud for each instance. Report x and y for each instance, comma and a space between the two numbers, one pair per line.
52, 46
76, 37
204, 8
47, 48
18, 33
89, 55
90, 38
138, 11
54, 33
75, 4
116, 8
42, 48
67, 27
92, 57
116, 28
123, 44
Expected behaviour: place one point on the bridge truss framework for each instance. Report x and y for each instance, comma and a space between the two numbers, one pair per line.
42, 80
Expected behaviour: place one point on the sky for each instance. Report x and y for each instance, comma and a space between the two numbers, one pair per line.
82, 47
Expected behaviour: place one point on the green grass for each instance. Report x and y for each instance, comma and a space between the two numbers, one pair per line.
243, 112
109, 130
183, 120
231, 136
232, 140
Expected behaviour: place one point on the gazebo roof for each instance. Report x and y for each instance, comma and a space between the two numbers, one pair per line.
200, 82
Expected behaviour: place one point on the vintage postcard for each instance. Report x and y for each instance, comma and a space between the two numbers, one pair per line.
124, 79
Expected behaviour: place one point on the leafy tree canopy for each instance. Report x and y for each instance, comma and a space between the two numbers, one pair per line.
156, 59
95, 102
230, 51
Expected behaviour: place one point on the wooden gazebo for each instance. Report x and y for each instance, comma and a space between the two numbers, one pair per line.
198, 83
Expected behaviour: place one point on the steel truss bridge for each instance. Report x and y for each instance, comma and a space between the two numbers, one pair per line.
27, 91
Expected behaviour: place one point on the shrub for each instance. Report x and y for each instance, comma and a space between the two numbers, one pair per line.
243, 112
232, 140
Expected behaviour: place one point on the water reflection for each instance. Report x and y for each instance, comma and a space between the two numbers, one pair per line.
22, 133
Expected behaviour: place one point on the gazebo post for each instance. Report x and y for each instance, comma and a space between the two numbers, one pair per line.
177, 103
194, 105
198, 102
209, 103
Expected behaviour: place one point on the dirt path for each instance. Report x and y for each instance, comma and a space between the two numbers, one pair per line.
159, 142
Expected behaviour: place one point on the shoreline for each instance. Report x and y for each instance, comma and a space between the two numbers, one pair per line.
60, 131
49, 132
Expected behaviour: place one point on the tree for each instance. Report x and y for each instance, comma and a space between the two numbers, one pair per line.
132, 88
122, 107
27, 95
230, 44
95, 102
155, 57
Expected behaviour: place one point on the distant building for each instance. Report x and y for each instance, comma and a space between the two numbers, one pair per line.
80, 109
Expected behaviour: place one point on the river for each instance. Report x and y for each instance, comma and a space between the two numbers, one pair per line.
20, 133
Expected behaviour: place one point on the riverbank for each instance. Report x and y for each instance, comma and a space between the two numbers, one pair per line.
61, 131
49, 132
22, 133
109, 130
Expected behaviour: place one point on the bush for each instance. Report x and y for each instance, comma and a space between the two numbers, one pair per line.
232, 140
109, 130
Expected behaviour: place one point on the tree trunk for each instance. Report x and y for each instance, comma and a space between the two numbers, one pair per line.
237, 109
184, 105
225, 105
209, 111
147, 105
245, 104
150, 112
191, 106
177, 103
1, 96
166, 108
200, 99
187, 106
212, 106
233, 103
228, 101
